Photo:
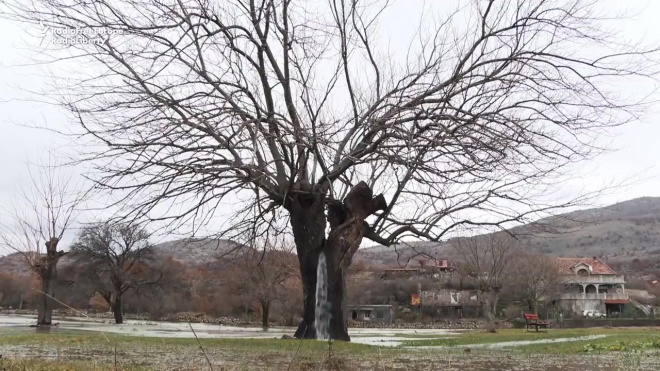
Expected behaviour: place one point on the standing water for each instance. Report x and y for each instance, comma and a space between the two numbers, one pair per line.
322, 313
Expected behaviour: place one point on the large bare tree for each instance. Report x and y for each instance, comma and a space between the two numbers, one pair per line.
293, 108
489, 261
43, 212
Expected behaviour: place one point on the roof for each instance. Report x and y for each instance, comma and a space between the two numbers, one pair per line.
564, 265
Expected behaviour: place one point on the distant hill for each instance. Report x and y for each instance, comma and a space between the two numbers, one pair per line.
191, 252
14, 264
623, 231
197, 252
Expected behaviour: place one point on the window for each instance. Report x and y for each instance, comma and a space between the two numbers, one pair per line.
367, 315
380, 314
582, 272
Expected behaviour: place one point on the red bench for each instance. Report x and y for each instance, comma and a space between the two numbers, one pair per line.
533, 320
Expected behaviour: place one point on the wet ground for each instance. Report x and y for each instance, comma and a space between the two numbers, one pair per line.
166, 358
478, 357
380, 337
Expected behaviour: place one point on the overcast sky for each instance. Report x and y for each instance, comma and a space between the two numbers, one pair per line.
636, 144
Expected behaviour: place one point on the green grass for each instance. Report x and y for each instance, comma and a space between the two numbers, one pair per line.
633, 341
64, 339
482, 337
7, 364
78, 350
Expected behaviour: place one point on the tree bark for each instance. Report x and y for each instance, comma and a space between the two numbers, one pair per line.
347, 227
45, 307
490, 308
265, 311
48, 273
117, 309
307, 218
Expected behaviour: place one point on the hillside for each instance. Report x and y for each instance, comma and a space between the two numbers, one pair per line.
187, 251
621, 232
196, 252
14, 264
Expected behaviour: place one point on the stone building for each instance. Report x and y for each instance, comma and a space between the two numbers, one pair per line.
371, 313
590, 284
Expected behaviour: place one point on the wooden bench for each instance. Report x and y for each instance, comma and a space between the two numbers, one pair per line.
533, 320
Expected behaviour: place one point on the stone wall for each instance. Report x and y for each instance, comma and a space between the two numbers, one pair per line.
606, 322
448, 324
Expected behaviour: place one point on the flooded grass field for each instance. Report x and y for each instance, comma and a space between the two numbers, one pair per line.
84, 345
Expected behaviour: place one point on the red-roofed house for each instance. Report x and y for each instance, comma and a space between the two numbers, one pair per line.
590, 284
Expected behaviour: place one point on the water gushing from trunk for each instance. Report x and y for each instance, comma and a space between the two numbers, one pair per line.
322, 313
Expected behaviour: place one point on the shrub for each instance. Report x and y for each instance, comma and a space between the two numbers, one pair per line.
518, 323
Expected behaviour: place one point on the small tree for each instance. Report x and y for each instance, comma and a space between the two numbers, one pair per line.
488, 258
40, 219
536, 278
11, 290
115, 259
264, 275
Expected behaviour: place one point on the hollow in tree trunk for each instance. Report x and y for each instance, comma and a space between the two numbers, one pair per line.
347, 228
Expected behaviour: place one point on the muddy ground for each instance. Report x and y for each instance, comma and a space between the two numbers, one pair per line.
172, 346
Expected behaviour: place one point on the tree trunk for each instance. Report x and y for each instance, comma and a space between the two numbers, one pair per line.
347, 228
45, 305
48, 273
308, 224
117, 309
265, 311
490, 308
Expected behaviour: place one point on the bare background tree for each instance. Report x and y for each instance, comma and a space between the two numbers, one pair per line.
535, 278
489, 260
42, 215
283, 107
115, 258
263, 276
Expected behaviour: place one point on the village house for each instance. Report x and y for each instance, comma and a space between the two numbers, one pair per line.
450, 303
371, 313
591, 285
432, 268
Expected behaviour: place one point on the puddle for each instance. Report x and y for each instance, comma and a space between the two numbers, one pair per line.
381, 337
